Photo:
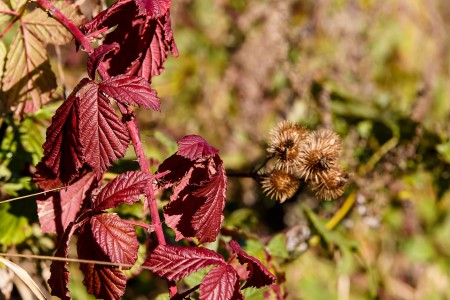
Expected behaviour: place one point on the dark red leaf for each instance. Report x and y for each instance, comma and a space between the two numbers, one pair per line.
258, 275
178, 167
196, 205
131, 90
176, 262
45, 179
116, 238
162, 43
57, 209
219, 283
98, 56
194, 147
126, 187
59, 275
104, 282
102, 239
63, 153
208, 218
152, 39
102, 134
153, 8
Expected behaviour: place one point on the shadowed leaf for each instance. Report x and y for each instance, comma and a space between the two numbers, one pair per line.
104, 282
258, 275
97, 57
59, 275
56, 210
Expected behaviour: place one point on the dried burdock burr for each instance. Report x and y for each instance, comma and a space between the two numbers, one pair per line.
280, 185
331, 186
318, 154
284, 144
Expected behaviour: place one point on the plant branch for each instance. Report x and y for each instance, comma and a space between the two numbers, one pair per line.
131, 123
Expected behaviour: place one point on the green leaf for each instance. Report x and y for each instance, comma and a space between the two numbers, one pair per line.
13, 229
277, 246
346, 263
47, 29
252, 293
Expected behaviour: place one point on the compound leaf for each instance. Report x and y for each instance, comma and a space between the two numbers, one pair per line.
176, 262
56, 210
131, 90
126, 187
258, 275
220, 284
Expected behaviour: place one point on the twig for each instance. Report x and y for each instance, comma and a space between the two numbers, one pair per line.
35, 194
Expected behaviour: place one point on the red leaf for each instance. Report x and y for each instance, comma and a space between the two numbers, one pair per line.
116, 238
152, 39
208, 218
126, 187
56, 210
59, 275
176, 262
219, 283
98, 56
104, 282
106, 238
194, 147
102, 133
195, 207
63, 153
131, 90
258, 275
153, 8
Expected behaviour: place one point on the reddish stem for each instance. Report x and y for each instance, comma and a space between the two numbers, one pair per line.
131, 124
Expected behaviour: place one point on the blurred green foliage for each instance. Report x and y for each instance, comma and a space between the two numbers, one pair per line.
376, 72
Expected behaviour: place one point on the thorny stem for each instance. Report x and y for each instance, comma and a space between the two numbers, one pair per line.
131, 124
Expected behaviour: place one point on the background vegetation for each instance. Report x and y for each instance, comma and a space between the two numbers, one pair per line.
376, 72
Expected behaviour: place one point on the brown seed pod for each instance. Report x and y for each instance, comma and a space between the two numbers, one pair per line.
280, 185
318, 154
331, 186
284, 144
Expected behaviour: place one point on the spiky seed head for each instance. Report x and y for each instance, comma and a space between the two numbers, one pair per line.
318, 154
331, 186
280, 185
284, 144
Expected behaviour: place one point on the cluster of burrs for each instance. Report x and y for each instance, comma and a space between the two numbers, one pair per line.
304, 157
